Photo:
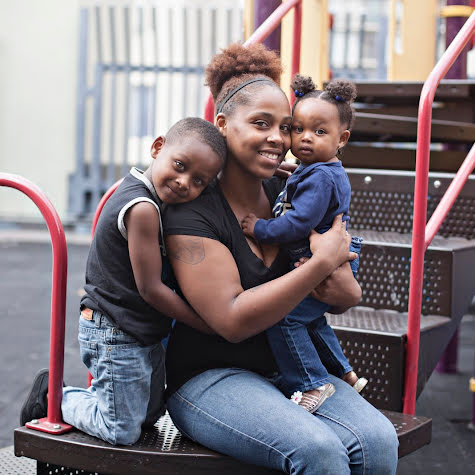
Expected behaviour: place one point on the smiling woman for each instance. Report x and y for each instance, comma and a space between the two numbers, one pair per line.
223, 389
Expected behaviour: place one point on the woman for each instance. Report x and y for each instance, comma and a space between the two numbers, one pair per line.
224, 389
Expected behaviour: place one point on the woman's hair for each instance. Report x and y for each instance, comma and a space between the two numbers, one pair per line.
236, 65
339, 92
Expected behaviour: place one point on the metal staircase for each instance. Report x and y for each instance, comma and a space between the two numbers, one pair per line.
374, 334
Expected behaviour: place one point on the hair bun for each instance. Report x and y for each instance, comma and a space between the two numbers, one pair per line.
302, 85
341, 90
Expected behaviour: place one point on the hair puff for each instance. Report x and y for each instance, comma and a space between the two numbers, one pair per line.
342, 88
237, 60
302, 84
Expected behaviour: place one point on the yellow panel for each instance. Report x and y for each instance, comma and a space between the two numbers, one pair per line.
412, 39
248, 18
314, 52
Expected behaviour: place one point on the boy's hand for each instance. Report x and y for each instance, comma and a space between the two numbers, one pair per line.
248, 224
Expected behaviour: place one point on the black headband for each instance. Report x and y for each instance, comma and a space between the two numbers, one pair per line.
237, 89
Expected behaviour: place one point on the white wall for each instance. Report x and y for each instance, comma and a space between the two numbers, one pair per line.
38, 67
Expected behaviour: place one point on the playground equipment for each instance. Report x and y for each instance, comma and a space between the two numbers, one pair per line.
164, 449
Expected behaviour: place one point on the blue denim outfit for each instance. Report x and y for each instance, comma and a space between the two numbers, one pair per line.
246, 416
125, 375
305, 347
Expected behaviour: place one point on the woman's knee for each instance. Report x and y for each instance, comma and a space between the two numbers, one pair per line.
382, 447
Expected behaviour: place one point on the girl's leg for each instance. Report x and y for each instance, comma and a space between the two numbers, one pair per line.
328, 347
294, 351
242, 414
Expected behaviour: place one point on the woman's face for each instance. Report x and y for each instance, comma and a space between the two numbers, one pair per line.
258, 134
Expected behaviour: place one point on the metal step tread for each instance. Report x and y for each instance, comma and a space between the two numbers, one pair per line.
387, 238
389, 322
165, 445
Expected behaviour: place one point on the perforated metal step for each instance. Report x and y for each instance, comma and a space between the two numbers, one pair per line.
374, 341
164, 450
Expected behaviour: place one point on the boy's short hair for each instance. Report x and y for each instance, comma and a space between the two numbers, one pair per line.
202, 130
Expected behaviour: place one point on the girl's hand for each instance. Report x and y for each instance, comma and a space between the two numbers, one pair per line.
285, 169
334, 243
248, 224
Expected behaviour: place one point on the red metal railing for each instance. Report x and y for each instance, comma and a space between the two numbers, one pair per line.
264, 30
423, 234
52, 423
101, 204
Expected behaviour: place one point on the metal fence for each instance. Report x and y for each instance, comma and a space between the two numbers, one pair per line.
140, 70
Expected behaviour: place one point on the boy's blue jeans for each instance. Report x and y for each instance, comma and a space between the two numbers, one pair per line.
305, 347
126, 392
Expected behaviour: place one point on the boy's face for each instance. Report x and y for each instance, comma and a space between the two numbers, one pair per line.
182, 169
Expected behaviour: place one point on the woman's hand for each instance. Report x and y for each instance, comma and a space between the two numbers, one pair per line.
334, 243
340, 290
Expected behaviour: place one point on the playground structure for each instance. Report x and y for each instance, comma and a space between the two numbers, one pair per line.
164, 446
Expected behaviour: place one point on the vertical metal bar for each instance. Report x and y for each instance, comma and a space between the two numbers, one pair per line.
185, 62
153, 101
125, 163
381, 47
229, 26
361, 37
142, 90
77, 193
213, 32
346, 48
96, 176
113, 94
297, 34
199, 42
170, 69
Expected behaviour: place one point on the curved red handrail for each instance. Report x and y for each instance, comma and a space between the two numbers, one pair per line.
101, 204
53, 422
419, 232
262, 32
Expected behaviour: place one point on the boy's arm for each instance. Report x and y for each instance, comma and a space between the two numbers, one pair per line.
309, 205
143, 225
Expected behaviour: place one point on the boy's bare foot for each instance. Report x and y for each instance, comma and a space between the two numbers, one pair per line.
352, 379
313, 399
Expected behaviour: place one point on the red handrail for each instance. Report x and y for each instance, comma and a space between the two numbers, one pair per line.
97, 213
262, 32
422, 236
52, 423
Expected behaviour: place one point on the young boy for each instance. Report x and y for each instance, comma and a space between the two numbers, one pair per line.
128, 308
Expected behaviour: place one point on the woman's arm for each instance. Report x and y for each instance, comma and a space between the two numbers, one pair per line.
142, 225
340, 290
209, 278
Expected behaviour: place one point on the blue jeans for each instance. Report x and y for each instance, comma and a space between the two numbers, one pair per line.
246, 416
125, 375
305, 347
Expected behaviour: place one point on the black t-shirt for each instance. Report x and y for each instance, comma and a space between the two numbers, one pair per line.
190, 352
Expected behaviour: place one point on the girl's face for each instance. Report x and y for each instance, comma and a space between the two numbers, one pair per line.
258, 134
317, 133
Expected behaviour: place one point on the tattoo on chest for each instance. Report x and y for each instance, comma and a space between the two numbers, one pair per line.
191, 251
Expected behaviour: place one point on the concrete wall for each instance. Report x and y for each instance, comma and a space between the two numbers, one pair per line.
38, 62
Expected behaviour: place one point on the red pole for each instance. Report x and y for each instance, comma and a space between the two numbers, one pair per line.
258, 36
297, 33
420, 209
53, 422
